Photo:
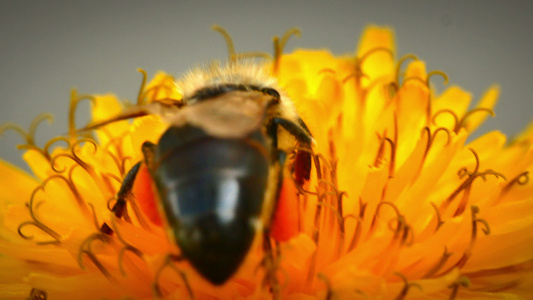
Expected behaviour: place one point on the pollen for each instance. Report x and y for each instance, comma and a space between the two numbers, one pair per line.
398, 205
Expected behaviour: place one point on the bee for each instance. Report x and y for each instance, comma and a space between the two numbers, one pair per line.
217, 170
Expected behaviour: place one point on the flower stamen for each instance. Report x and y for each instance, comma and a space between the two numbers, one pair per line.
333, 210
505, 271
29, 136
126, 246
327, 282
471, 112
71, 187
356, 76
427, 84
227, 38
121, 253
74, 101
363, 57
115, 140
234, 56
403, 59
279, 45
74, 156
462, 281
520, 179
37, 223
166, 84
169, 263
406, 286
414, 78
486, 230
460, 123
358, 73
401, 229
467, 184
53, 141
440, 222
475, 220
358, 229
498, 288
86, 248
113, 176
121, 164
140, 97
431, 138
100, 182
95, 218
138, 213
325, 161
329, 71
452, 113
381, 150
320, 193
437, 72
440, 264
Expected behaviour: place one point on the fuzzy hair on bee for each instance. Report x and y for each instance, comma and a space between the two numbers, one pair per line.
244, 73
234, 98
214, 82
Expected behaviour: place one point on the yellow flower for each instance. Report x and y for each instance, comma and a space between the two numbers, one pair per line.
398, 206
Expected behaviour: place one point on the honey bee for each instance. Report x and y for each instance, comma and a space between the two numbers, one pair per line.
217, 171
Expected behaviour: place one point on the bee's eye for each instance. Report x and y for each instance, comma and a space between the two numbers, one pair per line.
272, 92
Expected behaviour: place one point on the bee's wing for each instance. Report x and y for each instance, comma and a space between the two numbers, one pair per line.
231, 115
135, 112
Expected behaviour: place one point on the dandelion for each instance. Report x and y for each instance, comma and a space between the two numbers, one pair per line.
399, 205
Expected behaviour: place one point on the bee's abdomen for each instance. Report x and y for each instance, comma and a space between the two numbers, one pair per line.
212, 191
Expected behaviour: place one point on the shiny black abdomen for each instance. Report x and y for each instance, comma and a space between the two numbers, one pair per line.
212, 191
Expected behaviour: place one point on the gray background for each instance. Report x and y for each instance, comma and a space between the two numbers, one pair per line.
48, 48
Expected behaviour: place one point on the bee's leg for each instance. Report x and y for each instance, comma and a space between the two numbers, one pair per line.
304, 126
119, 209
272, 254
299, 131
301, 167
148, 150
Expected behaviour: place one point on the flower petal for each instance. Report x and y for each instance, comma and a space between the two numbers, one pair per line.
488, 101
379, 63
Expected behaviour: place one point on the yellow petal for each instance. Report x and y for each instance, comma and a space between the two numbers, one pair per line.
381, 62
16, 185
454, 99
488, 101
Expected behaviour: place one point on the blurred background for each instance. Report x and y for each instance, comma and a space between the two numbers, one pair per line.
50, 47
